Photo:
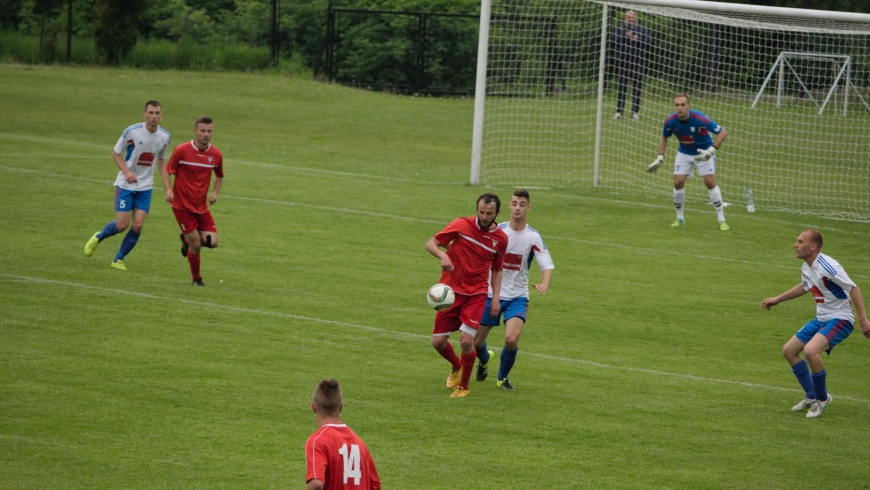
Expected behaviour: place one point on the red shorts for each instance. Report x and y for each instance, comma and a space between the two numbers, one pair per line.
189, 222
466, 309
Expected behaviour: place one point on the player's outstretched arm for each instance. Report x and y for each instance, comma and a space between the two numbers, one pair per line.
660, 159
790, 294
434, 248
545, 281
860, 312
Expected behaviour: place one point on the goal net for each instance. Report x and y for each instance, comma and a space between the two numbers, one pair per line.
791, 86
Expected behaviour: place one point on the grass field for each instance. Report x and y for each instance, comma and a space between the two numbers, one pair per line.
649, 364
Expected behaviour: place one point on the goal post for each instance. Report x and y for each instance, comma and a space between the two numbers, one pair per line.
791, 86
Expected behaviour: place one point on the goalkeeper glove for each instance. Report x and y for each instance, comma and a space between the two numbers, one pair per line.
659, 161
704, 155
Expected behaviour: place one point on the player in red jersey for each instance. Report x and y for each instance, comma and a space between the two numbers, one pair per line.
475, 245
335, 458
192, 164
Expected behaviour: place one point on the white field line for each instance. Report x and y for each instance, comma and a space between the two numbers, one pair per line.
648, 250
35, 280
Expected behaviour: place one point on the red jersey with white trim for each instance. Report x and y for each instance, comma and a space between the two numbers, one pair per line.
340, 459
192, 168
474, 252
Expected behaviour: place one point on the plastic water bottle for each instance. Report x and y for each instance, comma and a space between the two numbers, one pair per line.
750, 201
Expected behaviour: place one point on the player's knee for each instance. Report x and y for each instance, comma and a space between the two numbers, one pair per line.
511, 343
211, 241
439, 342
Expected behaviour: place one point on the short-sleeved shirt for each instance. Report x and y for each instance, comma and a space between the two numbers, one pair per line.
140, 149
523, 246
192, 168
694, 134
474, 252
340, 459
830, 286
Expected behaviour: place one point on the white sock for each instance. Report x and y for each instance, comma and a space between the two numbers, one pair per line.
679, 199
716, 197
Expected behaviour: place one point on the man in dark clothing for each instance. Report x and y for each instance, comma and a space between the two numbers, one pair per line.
632, 42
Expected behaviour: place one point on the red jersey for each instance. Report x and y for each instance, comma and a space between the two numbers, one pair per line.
338, 458
192, 169
474, 252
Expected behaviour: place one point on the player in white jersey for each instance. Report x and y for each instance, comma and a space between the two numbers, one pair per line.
137, 150
524, 244
832, 290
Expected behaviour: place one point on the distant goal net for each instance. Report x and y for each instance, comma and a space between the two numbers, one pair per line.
792, 87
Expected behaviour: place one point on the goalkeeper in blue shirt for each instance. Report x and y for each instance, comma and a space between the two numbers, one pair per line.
697, 150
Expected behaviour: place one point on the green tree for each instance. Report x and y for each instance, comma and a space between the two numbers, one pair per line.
116, 27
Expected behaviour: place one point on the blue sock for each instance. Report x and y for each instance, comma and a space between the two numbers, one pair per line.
802, 373
109, 230
127, 244
819, 383
482, 354
507, 362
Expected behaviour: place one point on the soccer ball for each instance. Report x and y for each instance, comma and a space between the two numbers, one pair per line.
440, 297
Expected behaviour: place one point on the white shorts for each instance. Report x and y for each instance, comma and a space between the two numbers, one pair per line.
684, 165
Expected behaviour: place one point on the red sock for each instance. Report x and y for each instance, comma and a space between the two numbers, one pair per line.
193, 260
467, 366
448, 353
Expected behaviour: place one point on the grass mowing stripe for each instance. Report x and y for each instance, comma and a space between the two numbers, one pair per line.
37, 280
422, 220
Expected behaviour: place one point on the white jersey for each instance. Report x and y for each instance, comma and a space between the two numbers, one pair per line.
830, 286
140, 148
523, 246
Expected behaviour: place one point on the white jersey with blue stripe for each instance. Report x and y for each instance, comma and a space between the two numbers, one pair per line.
523, 246
830, 286
140, 150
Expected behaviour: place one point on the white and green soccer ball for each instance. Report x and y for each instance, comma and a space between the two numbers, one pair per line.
440, 297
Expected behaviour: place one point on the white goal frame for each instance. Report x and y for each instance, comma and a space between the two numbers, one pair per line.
782, 62
843, 83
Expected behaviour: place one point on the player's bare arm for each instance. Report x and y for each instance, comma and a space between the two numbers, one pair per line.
434, 248
495, 304
545, 282
314, 484
218, 182
860, 312
128, 175
167, 184
790, 294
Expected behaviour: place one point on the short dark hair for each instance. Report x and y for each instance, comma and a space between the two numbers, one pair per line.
152, 103
327, 397
523, 193
815, 236
488, 198
203, 120
686, 96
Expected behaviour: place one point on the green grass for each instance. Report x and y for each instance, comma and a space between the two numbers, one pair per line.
649, 364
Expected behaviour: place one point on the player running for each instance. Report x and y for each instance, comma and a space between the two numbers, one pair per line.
524, 244
834, 320
140, 144
335, 457
697, 150
475, 247
192, 164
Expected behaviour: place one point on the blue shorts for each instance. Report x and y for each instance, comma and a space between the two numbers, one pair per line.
510, 308
835, 331
126, 200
